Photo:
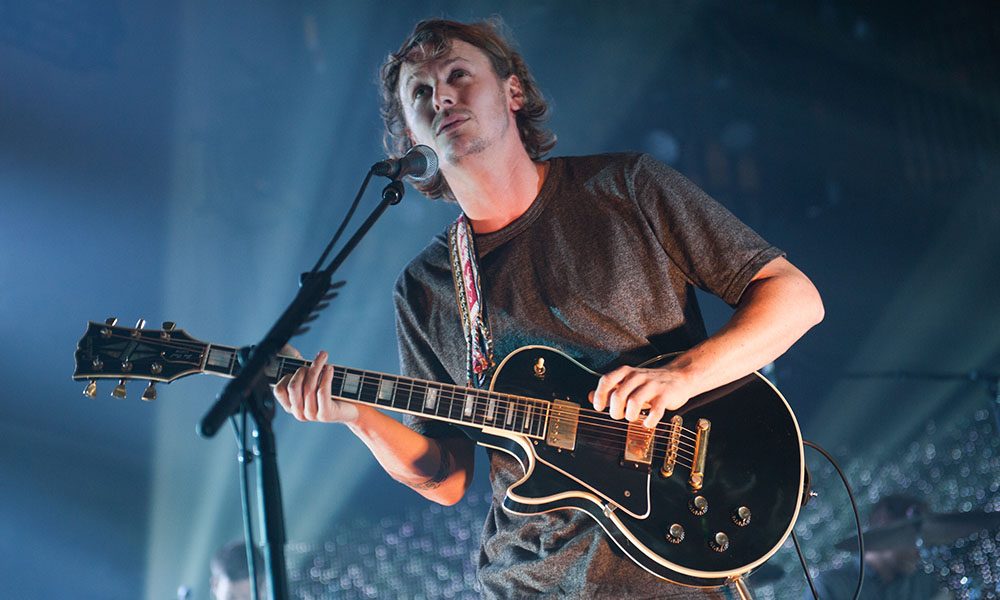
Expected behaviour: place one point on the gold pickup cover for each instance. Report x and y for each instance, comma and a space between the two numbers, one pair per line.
563, 421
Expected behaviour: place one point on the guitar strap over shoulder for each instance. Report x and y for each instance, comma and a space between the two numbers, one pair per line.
471, 305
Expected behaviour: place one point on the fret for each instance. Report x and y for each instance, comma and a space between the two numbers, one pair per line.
369, 389
386, 388
468, 410
430, 399
351, 384
453, 410
220, 359
415, 399
337, 386
491, 409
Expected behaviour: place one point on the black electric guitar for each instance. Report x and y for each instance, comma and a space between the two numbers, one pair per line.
703, 499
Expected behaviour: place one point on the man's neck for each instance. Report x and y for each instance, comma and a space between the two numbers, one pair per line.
495, 188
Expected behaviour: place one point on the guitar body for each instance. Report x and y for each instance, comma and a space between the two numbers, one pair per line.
754, 460
707, 497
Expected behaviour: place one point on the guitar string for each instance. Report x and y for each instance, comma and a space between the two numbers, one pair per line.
289, 364
459, 394
292, 363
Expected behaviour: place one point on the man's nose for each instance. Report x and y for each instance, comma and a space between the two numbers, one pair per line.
444, 97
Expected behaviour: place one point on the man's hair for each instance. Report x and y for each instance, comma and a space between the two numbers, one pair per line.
230, 561
431, 39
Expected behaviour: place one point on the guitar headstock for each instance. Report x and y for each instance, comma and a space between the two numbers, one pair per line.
109, 351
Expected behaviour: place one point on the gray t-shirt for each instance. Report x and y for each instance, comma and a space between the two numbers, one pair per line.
603, 266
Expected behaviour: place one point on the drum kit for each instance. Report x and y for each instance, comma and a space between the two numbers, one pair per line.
922, 532
934, 529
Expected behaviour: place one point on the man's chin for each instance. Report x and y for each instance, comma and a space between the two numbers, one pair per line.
463, 150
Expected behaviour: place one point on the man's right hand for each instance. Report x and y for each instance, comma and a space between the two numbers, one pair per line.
306, 394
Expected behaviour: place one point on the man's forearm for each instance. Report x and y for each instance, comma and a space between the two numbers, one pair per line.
776, 309
439, 470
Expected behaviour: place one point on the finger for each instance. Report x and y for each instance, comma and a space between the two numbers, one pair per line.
309, 404
295, 393
604, 386
653, 418
323, 393
289, 350
281, 392
641, 395
621, 396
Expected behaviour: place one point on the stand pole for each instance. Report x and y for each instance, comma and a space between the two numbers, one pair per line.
742, 589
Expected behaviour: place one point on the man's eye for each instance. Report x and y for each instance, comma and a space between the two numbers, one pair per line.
419, 92
458, 73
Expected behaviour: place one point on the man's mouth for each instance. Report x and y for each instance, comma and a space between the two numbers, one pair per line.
450, 123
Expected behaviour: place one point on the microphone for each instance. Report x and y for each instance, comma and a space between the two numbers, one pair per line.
420, 164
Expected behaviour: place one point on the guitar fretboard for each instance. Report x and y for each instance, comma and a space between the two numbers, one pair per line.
445, 402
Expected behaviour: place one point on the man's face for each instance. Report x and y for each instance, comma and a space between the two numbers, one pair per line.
226, 589
456, 104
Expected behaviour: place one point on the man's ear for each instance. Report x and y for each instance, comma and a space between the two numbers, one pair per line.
515, 92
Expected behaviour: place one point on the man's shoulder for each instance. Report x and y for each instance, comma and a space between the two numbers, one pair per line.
427, 266
599, 162
615, 168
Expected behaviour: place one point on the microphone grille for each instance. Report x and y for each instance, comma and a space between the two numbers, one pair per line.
431, 159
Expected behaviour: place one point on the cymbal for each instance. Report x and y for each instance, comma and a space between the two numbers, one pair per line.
767, 573
935, 529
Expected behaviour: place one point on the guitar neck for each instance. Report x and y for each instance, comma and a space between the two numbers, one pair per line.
438, 401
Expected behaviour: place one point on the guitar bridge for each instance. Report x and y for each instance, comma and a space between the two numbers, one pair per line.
673, 443
700, 452
563, 421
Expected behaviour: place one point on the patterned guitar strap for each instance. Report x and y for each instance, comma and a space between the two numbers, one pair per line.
468, 292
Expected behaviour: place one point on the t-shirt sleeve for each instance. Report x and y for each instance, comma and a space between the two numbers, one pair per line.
715, 250
417, 358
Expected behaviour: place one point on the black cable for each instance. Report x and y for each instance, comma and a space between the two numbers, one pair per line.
857, 522
343, 224
805, 569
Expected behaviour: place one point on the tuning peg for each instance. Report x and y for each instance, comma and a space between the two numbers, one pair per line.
119, 391
168, 326
149, 394
91, 390
112, 321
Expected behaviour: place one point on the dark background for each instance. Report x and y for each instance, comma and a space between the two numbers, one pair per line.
185, 161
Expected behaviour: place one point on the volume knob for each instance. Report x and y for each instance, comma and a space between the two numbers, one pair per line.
741, 516
719, 543
675, 534
698, 506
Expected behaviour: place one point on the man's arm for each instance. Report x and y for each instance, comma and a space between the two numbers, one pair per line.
778, 306
438, 469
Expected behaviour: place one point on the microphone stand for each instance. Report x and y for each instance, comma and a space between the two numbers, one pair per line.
250, 391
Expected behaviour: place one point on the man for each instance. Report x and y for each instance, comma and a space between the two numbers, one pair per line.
891, 573
230, 579
595, 255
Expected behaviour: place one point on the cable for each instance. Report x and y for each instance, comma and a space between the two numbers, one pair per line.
805, 569
857, 522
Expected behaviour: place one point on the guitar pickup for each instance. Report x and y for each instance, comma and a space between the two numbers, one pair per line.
700, 452
564, 419
639, 445
673, 443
